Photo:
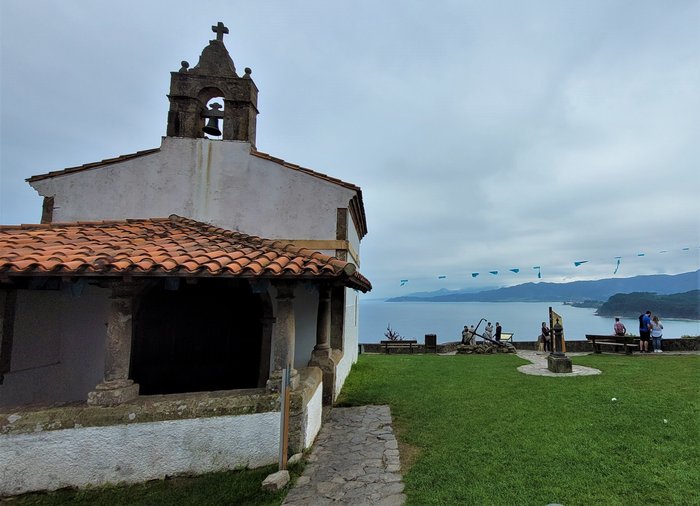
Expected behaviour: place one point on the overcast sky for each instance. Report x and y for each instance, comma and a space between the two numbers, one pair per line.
485, 135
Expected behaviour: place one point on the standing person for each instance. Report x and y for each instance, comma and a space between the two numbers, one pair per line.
472, 336
656, 333
644, 332
488, 331
465, 335
546, 337
619, 327
498, 332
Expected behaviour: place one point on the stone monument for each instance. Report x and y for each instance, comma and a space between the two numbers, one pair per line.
557, 361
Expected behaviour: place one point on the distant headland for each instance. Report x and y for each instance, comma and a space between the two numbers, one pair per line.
677, 294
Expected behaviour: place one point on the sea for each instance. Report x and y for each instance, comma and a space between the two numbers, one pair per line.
413, 320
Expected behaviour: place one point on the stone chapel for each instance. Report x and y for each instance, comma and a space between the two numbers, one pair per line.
146, 321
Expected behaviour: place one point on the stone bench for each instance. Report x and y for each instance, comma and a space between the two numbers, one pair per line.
627, 343
399, 345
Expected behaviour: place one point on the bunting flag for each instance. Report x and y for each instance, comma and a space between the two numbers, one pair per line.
577, 263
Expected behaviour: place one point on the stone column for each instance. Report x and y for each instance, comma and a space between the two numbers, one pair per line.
283, 337
117, 388
321, 356
8, 301
265, 350
557, 361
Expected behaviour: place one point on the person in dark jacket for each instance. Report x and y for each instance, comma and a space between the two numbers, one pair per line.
546, 337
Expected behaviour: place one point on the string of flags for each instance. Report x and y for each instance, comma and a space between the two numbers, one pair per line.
538, 269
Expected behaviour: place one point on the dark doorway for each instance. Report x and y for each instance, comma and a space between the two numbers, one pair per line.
197, 337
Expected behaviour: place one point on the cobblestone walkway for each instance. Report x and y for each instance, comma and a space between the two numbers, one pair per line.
355, 460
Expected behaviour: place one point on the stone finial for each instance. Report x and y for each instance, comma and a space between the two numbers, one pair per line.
247, 73
184, 66
219, 29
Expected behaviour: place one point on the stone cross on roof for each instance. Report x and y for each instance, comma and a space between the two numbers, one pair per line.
219, 29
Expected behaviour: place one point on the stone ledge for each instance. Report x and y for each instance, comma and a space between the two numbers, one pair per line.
151, 408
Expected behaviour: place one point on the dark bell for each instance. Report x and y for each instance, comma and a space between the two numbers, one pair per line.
212, 127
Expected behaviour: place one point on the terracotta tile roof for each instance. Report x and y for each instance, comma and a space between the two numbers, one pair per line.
173, 246
94, 165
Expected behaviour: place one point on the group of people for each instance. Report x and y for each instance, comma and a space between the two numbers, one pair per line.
650, 329
469, 333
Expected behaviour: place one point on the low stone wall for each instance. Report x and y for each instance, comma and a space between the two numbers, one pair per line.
151, 437
674, 344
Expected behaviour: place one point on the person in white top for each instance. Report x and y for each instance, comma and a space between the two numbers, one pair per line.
656, 333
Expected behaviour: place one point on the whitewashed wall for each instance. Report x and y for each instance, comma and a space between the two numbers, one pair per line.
314, 417
137, 452
217, 182
350, 339
58, 346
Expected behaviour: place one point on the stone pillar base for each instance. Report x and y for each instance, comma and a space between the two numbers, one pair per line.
274, 384
323, 360
559, 363
112, 393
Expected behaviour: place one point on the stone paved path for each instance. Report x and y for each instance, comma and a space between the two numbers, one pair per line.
355, 460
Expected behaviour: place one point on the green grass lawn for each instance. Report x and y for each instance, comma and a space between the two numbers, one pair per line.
473, 430
234, 487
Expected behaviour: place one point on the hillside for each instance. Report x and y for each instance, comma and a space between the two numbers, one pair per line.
678, 305
602, 289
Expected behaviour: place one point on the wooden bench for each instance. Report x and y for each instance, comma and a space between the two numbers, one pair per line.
627, 343
399, 344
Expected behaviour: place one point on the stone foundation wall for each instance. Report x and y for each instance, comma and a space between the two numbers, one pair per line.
75, 445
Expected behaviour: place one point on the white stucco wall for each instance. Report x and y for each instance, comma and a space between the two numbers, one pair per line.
350, 338
58, 346
217, 182
314, 416
136, 452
